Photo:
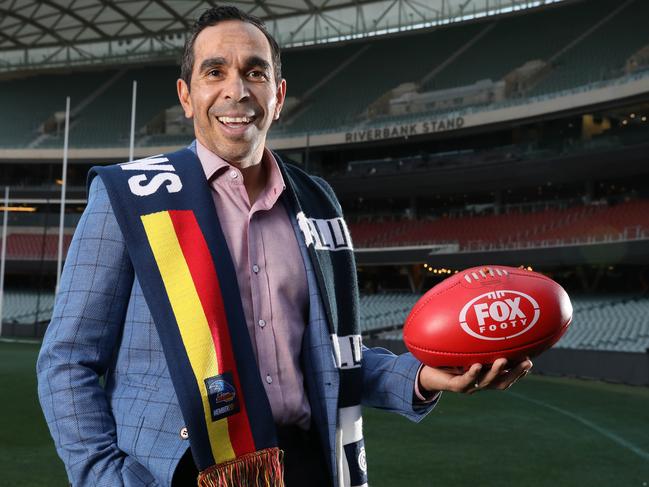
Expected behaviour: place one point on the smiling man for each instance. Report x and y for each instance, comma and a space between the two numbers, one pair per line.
214, 291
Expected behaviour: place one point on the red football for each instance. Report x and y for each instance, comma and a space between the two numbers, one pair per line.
484, 313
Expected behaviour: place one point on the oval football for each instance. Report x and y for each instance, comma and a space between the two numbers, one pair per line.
484, 313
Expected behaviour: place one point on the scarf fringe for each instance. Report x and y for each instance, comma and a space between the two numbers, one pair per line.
257, 469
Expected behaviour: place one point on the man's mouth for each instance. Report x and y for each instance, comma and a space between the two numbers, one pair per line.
235, 122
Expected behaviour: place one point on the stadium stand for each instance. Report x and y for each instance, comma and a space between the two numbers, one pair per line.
332, 86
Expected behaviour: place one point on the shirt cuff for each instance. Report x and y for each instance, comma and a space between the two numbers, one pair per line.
421, 398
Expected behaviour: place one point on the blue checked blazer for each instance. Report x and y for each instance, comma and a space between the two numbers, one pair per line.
103, 381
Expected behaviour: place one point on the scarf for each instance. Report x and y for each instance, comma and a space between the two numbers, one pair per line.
166, 213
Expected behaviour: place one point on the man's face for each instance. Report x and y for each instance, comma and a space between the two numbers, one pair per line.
233, 96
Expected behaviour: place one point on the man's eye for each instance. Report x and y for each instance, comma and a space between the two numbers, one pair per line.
257, 75
214, 72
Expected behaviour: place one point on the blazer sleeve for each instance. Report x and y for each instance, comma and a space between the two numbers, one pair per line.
389, 382
81, 342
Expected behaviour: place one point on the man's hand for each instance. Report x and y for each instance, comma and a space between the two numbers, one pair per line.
477, 377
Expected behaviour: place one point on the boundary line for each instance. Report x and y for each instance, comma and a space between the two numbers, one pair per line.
603, 431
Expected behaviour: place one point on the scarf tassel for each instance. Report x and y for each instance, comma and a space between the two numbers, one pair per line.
257, 469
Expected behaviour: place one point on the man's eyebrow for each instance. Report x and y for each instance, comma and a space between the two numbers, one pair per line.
213, 62
251, 62
256, 61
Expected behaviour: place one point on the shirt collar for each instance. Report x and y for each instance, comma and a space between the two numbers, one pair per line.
212, 164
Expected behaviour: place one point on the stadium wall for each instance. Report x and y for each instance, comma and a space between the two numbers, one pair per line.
620, 367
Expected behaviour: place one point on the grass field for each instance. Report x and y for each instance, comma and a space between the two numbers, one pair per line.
545, 432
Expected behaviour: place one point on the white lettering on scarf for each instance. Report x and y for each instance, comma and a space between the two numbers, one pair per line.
325, 234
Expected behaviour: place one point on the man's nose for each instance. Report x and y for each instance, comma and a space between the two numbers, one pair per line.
235, 88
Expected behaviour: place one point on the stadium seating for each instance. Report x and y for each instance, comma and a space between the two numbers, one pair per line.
31, 246
383, 311
26, 306
516, 40
382, 65
619, 325
576, 224
106, 120
602, 54
31, 101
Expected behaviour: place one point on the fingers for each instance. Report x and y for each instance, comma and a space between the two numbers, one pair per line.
465, 382
479, 377
499, 377
509, 378
496, 370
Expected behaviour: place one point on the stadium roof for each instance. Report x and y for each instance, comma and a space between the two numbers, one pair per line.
51, 33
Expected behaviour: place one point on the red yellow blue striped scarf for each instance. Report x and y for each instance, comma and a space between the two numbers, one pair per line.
180, 256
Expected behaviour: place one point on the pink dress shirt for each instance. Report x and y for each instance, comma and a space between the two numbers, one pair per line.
271, 277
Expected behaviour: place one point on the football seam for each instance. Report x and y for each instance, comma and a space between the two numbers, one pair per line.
441, 352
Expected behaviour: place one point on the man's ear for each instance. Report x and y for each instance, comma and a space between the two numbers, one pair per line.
280, 97
185, 99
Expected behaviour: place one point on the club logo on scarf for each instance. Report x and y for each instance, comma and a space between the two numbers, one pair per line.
222, 396
357, 462
325, 234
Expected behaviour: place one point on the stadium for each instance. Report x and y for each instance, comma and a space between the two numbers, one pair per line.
454, 133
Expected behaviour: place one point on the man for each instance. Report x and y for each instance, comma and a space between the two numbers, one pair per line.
196, 288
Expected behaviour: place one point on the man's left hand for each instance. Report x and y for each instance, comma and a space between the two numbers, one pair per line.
499, 376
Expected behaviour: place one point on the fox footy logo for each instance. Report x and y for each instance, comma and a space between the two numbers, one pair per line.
499, 315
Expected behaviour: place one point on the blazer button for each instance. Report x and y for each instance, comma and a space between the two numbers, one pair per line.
184, 434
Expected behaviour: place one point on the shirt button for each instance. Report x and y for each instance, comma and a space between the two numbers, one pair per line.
269, 379
262, 323
233, 174
255, 268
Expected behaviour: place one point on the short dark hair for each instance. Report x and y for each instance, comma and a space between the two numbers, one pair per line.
212, 17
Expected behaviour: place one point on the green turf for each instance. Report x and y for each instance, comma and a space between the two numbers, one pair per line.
496, 439
545, 432
27, 455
